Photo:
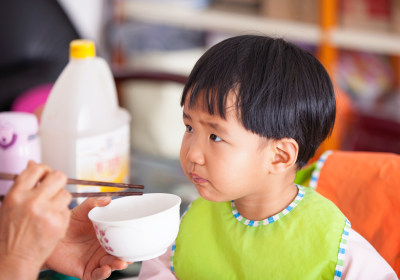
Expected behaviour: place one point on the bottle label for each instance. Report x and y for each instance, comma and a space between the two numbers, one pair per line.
103, 157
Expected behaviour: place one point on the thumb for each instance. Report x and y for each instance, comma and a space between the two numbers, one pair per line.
88, 204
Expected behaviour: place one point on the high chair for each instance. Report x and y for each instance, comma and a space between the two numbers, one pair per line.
366, 188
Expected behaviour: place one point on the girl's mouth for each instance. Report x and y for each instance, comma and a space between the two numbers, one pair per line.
197, 179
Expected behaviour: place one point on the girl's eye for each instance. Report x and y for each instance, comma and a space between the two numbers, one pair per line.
215, 138
189, 128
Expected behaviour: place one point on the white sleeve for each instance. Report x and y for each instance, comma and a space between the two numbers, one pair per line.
158, 268
362, 261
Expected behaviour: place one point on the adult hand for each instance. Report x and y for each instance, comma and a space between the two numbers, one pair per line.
80, 254
34, 216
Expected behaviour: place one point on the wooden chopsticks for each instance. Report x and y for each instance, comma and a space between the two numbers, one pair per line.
8, 176
98, 194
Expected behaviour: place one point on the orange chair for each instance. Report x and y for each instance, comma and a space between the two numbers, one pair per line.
366, 187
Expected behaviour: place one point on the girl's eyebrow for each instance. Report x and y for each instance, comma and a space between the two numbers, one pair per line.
216, 127
186, 116
213, 125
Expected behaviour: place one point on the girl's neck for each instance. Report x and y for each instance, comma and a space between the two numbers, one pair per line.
258, 208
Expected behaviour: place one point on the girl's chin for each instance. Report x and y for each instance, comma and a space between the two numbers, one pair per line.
210, 196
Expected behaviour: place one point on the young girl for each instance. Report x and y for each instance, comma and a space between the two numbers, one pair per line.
255, 110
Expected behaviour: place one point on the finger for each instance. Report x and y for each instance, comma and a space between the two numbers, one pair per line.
29, 177
101, 273
113, 262
61, 200
83, 209
92, 202
52, 183
102, 201
119, 265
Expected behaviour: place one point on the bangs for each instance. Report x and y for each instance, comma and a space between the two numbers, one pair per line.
213, 100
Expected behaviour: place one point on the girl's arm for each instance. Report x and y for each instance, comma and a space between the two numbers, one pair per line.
158, 268
362, 261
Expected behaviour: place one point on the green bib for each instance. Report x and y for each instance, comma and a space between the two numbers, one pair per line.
305, 241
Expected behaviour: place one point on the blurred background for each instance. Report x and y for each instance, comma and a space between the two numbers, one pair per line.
151, 46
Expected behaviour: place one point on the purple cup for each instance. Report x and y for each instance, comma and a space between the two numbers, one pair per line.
19, 143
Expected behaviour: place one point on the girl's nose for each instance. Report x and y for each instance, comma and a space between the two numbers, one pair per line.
195, 152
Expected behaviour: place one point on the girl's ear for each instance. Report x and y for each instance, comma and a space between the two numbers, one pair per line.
284, 155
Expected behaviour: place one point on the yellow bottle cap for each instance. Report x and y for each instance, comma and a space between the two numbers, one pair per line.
82, 49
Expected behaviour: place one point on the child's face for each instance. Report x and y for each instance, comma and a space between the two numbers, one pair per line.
220, 157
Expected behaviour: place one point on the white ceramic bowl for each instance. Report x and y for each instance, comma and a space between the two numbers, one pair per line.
137, 228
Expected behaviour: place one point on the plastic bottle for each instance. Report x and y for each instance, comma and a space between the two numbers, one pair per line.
83, 131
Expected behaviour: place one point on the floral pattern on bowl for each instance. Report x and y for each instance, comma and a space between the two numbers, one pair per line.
101, 236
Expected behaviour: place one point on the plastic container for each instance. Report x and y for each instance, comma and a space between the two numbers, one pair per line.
19, 143
83, 131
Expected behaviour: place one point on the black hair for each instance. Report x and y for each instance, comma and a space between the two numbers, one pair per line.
282, 90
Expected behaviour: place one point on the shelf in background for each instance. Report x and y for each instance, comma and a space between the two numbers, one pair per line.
216, 20
379, 42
